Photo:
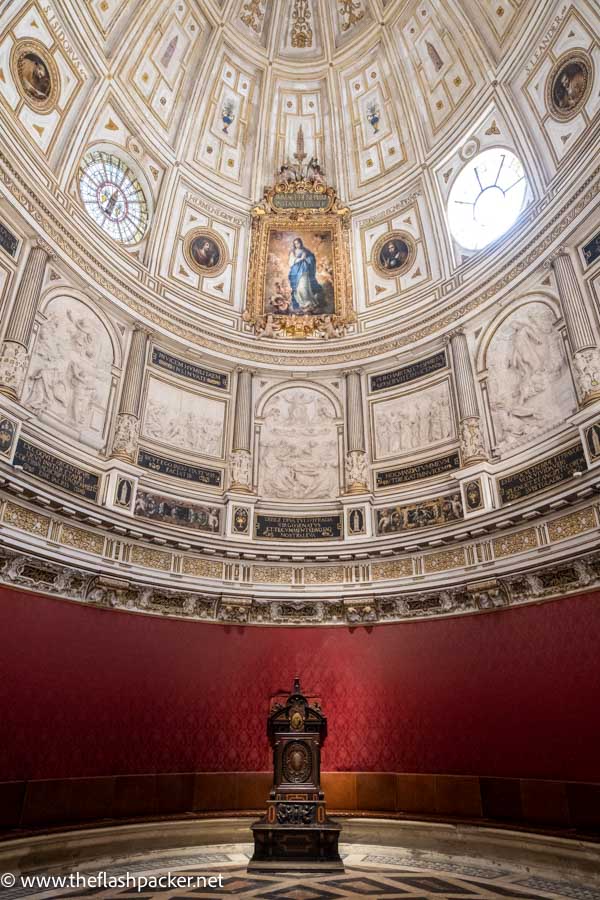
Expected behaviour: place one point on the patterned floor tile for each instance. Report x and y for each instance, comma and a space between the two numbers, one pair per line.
373, 872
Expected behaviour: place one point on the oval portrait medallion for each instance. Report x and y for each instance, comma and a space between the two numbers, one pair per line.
569, 85
35, 74
205, 251
296, 762
393, 254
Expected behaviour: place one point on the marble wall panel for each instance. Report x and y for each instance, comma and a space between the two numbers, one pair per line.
70, 373
530, 386
298, 446
186, 419
412, 421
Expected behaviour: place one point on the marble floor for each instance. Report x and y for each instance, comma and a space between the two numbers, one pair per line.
370, 872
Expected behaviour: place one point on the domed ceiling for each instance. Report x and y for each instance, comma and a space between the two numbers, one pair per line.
206, 102
299, 298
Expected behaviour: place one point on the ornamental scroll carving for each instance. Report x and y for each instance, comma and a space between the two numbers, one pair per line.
297, 763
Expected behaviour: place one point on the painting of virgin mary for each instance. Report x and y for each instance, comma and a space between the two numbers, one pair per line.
299, 277
306, 291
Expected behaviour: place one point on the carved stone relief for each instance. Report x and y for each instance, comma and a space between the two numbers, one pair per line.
412, 421
184, 419
298, 446
69, 377
530, 386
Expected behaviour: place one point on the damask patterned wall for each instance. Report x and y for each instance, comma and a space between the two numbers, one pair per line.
89, 692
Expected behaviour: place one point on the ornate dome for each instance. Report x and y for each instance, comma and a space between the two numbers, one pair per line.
299, 304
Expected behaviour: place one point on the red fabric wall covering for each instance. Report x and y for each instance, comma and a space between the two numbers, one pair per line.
93, 692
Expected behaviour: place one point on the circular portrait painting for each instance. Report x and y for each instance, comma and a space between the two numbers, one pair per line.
569, 85
35, 74
394, 254
205, 252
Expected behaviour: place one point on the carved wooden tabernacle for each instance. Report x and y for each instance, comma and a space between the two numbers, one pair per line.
296, 831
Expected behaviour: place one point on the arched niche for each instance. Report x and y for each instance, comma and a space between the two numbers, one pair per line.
298, 443
525, 374
72, 373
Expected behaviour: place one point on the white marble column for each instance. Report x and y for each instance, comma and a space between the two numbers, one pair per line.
472, 446
14, 356
127, 426
357, 470
240, 463
583, 342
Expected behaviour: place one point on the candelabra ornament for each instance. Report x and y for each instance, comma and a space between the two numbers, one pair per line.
296, 833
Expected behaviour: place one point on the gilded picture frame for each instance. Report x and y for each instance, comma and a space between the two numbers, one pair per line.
35, 74
205, 252
394, 254
299, 281
569, 85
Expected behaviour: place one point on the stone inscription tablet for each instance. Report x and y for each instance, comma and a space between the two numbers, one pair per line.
408, 373
189, 370
178, 470
298, 528
8, 241
301, 201
427, 469
591, 250
54, 470
542, 475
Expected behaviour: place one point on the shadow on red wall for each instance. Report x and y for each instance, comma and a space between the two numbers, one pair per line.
97, 692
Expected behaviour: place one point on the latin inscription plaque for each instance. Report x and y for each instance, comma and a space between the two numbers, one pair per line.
8, 241
298, 528
56, 471
591, 250
427, 469
542, 475
409, 373
178, 470
189, 370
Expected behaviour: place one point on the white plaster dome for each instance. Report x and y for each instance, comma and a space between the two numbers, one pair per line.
453, 344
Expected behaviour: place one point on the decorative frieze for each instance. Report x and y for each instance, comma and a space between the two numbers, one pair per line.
26, 519
272, 574
391, 569
202, 568
150, 558
552, 580
323, 574
517, 542
444, 560
572, 524
82, 539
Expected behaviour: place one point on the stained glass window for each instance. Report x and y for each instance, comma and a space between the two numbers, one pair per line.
113, 196
487, 198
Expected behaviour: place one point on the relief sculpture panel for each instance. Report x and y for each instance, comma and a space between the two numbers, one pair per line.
530, 386
298, 446
69, 378
184, 419
412, 421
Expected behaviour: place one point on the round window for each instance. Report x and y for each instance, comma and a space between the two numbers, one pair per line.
113, 196
486, 198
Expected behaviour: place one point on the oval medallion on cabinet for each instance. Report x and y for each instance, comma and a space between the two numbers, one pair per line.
297, 762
